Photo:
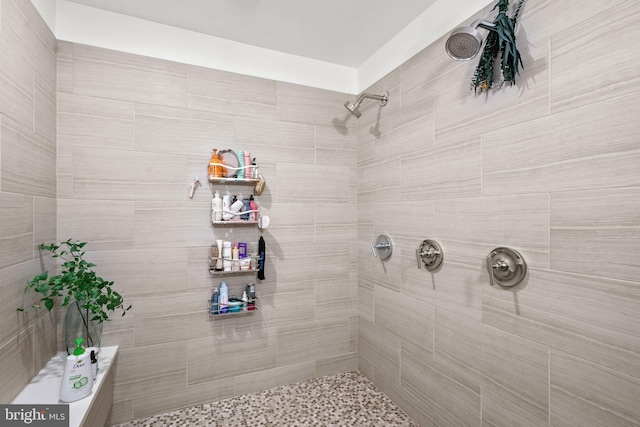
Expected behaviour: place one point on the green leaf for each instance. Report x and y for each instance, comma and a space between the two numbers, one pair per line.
48, 302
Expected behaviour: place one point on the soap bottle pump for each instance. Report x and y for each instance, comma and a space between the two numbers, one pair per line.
77, 379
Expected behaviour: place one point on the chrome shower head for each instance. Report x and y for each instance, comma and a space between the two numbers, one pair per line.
464, 43
353, 106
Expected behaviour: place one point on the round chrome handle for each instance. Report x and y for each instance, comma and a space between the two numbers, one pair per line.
506, 267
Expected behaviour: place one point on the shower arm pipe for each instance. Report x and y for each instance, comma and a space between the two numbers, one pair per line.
382, 98
483, 23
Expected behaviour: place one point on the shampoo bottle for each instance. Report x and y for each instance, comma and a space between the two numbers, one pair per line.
77, 379
224, 298
253, 216
226, 255
226, 206
219, 264
248, 171
216, 208
240, 164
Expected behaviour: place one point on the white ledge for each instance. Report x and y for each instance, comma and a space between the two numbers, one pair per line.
92, 410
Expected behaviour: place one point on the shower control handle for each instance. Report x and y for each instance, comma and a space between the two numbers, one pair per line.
383, 247
430, 254
506, 267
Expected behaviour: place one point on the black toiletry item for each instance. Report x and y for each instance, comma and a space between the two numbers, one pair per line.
261, 253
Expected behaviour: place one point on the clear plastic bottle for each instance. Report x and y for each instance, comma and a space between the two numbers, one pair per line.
224, 298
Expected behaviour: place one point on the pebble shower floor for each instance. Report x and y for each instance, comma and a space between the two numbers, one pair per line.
348, 400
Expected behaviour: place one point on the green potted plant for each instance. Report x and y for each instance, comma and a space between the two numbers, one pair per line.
89, 297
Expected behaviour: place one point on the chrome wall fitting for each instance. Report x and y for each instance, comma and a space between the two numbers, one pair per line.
430, 254
383, 247
506, 267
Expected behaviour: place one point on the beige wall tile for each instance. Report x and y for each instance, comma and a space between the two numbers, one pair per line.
335, 365
454, 287
167, 361
44, 221
312, 341
28, 161
44, 109
602, 223
143, 273
517, 364
181, 397
85, 121
106, 224
408, 224
64, 67
304, 104
471, 228
127, 77
174, 326
269, 378
313, 183
501, 407
139, 176
336, 223
230, 93
587, 148
303, 262
373, 271
405, 317
181, 131
446, 401
444, 173
379, 181
592, 317
233, 352
573, 51
276, 141
588, 394
16, 365
16, 228
380, 347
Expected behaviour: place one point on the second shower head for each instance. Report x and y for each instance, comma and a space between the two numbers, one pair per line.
353, 106
464, 43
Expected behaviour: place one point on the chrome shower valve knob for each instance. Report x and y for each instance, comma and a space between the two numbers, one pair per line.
430, 254
506, 267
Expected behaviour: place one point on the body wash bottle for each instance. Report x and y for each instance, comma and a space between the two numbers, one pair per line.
216, 208
77, 379
240, 164
224, 298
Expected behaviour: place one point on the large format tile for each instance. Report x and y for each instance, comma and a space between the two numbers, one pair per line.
595, 146
509, 361
233, 352
168, 362
106, 224
584, 393
16, 229
603, 224
269, 378
230, 93
583, 58
16, 365
302, 104
116, 75
85, 121
593, 317
471, 228
443, 173
28, 161
311, 341
178, 130
447, 401
129, 175
380, 347
303, 183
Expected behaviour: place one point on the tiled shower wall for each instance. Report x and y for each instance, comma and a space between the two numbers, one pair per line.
27, 189
550, 167
133, 132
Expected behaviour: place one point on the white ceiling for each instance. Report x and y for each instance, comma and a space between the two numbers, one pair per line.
344, 32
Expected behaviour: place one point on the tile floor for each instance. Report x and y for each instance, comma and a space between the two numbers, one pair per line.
348, 400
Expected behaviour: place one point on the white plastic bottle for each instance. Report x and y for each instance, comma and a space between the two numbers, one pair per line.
224, 298
226, 206
227, 253
77, 379
216, 208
